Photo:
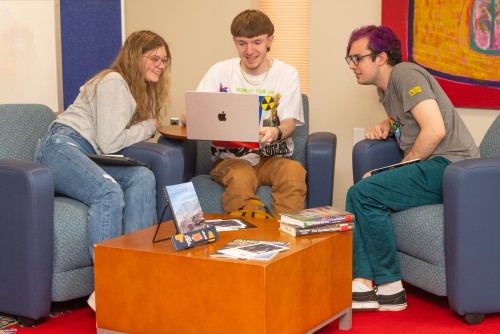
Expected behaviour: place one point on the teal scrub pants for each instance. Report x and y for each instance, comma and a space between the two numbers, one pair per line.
373, 199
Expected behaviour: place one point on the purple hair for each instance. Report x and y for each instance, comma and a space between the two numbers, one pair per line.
380, 39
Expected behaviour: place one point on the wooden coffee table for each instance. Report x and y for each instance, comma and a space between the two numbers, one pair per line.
145, 287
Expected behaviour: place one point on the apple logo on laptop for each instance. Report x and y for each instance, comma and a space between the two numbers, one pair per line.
222, 116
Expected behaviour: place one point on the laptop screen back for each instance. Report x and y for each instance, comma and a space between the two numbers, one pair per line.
222, 116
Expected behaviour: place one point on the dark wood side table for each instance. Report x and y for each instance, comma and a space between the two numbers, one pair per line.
173, 131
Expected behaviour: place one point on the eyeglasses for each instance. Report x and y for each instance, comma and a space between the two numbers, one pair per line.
355, 59
158, 60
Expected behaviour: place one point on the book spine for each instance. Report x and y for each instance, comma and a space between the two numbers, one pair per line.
297, 231
318, 221
328, 221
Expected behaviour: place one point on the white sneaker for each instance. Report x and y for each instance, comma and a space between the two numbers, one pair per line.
91, 301
365, 301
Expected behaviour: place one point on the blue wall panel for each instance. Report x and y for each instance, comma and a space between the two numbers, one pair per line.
91, 37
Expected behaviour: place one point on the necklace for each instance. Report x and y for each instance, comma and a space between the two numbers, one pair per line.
258, 83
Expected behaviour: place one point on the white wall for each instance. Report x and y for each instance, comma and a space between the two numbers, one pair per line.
198, 34
338, 103
30, 67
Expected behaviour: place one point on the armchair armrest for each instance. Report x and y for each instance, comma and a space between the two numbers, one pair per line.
188, 151
471, 234
370, 154
320, 165
26, 238
166, 163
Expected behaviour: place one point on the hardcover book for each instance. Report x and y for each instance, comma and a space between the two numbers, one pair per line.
251, 249
322, 215
185, 207
296, 231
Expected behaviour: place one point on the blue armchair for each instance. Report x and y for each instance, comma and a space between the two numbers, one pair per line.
450, 249
43, 236
315, 151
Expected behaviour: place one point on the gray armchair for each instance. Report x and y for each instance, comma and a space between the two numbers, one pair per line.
450, 249
43, 236
315, 151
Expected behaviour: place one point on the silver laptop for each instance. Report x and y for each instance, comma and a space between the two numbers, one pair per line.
222, 116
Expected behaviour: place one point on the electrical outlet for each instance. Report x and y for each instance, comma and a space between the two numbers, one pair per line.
358, 134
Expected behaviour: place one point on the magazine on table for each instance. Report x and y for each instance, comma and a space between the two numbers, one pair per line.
229, 224
251, 249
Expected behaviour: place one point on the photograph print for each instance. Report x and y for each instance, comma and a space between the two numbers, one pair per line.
185, 207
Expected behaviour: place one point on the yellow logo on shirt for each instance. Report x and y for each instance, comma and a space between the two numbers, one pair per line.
267, 103
415, 90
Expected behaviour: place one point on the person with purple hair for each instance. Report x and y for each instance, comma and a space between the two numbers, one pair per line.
426, 126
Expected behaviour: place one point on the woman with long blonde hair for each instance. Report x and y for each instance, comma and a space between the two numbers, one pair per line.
120, 106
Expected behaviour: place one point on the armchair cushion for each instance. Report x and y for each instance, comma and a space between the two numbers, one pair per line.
73, 268
167, 165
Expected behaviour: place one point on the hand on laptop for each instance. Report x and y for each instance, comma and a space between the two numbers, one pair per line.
268, 134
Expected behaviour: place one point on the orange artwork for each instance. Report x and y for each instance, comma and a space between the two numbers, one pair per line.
457, 41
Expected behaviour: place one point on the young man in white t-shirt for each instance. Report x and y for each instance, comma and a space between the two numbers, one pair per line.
241, 166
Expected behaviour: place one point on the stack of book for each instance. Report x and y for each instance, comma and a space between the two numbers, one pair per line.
316, 220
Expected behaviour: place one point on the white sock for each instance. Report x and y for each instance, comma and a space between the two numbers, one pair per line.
360, 287
390, 288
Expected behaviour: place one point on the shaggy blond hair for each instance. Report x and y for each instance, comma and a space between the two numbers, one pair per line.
152, 98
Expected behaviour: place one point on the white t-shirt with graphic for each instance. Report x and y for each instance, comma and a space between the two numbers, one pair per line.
280, 98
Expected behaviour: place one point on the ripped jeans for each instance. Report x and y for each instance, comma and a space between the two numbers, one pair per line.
120, 199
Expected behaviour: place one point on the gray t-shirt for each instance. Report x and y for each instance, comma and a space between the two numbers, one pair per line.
103, 117
411, 84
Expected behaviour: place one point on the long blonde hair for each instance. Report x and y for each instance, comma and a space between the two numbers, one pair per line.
151, 97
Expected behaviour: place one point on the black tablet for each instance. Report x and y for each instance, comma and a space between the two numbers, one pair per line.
115, 159
400, 164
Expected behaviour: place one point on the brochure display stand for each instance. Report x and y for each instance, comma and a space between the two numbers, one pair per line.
190, 225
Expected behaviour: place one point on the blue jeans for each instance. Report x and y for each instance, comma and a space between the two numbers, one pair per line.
373, 199
120, 199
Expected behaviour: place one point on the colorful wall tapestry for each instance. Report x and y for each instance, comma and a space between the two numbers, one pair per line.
457, 41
